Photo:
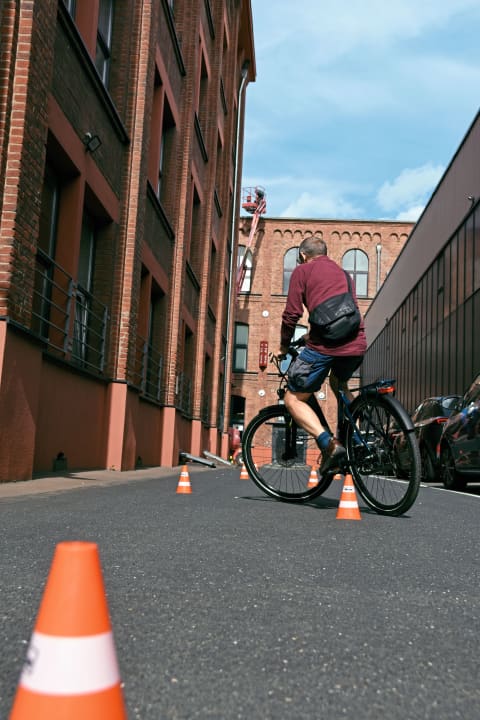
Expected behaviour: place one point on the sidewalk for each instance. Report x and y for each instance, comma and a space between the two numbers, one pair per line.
59, 482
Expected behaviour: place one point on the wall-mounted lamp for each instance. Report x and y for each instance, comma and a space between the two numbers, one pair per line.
91, 142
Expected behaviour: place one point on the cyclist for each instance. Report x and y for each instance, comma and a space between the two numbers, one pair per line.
316, 279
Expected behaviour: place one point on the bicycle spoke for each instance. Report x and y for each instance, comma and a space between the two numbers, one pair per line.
281, 458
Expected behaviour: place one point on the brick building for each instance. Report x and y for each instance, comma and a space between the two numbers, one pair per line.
121, 130
367, 249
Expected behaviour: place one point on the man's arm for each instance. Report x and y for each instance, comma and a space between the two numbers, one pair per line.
292, 313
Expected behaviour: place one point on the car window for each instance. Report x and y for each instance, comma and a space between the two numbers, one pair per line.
451, 404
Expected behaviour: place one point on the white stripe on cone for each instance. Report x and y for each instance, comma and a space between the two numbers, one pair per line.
70, 665
348, 504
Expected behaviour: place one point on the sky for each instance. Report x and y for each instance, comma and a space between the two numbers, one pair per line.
359, 106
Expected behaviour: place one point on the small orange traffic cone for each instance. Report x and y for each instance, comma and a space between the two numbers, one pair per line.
184, 487
243, 473
337, 476
348, 507
71, 670
313, 479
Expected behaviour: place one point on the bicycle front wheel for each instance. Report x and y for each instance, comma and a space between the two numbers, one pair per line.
383, 454
280, 457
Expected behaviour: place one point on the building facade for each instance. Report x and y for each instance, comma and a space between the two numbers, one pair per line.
423, 324
121, 129
367, 249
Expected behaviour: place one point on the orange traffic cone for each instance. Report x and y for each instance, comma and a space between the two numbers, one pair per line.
313, 479
243, 473
184, 487
348, 507
71, 670
337, 476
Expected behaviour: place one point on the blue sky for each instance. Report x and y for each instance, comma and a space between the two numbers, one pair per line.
358, 107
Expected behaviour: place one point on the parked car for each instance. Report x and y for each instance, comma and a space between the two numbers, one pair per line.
460, 441
428, 419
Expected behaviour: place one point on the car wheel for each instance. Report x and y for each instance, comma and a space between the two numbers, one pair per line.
428, 470
448, 473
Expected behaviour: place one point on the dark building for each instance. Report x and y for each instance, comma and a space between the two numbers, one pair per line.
423, 324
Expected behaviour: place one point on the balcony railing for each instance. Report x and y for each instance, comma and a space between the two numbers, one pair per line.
183, 394
147, 371
70, 320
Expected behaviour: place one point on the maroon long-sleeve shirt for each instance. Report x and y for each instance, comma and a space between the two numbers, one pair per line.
311, 284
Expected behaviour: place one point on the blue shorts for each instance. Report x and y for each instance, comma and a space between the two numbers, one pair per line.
309, 370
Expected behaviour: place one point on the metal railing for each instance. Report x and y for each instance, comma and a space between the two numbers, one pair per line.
183, 394
147, 371
70, 320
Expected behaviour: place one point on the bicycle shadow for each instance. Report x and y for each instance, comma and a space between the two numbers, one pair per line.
320, 503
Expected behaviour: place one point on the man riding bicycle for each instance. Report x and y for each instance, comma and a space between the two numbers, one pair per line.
318, 278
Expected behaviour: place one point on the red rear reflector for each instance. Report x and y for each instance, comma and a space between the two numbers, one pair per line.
385, 390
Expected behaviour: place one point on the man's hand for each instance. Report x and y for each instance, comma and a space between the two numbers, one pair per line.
281, 353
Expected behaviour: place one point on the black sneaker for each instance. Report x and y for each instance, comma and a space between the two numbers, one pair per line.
332, 457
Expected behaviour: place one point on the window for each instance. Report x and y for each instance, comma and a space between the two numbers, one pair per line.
104, 39
355, 262
46, 252
247, 277
154, 359
162, 145
289, 265
203, 94
84, 289
166, 143
300, 330
240, 350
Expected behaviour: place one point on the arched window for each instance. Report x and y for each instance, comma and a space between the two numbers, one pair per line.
240, 348
289, 265
356, 263
247, 280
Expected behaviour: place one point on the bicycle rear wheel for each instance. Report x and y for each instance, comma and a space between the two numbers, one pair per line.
280, 456
386, 467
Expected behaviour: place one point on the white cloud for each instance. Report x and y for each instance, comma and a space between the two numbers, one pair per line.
310, 205
410, 215
410, 189
328, 31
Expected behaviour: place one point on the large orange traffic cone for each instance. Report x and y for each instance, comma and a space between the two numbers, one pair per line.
71, 670
184, 487
348, 507
313, 479
243, 473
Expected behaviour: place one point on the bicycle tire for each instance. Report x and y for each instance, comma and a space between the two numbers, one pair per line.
388, 471
264, 452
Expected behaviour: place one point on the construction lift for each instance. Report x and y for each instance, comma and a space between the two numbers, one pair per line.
254, 202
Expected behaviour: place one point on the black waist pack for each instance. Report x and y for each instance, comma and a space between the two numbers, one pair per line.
337, 319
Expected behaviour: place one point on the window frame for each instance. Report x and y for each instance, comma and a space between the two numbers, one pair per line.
355, 273
240, 347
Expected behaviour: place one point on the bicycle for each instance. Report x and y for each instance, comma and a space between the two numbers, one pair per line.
378, 434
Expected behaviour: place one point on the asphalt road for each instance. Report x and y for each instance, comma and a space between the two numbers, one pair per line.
226, 604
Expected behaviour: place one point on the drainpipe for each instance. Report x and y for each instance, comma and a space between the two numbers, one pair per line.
244, 73
379, 254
